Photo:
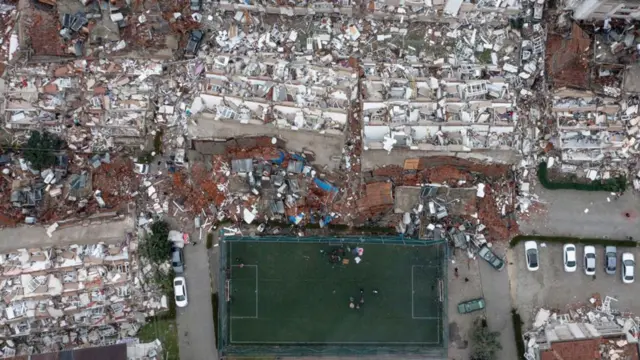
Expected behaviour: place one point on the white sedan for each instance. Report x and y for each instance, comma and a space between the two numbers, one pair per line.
180, 291
590, 260
531, 253
628, 268
569, 253
141, 169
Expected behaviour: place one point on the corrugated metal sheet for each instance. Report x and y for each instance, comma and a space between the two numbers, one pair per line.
242, 165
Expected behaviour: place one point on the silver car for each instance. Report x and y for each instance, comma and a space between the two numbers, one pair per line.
610, 259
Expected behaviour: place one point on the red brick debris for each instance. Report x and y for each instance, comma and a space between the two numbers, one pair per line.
567, 58
116, 181
449, 171
43, 29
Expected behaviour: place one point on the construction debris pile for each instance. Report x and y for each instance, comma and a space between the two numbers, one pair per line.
595, 329
77, 296
437, 197
72, 190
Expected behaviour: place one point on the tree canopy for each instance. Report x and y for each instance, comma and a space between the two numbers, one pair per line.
157, 247
40, 149
485, 344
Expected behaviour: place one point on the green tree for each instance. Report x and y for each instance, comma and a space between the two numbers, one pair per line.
40, 149
484, 343
156, 246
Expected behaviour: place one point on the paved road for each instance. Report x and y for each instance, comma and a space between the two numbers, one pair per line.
196, 334
565, 214
554, 289
495, 287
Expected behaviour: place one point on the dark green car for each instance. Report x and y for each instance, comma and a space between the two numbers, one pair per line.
471, 306
493, 259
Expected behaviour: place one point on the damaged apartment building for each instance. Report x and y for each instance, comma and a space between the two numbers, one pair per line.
442, 86
594, 101
459, 102
95, 106
76, 296
271, 92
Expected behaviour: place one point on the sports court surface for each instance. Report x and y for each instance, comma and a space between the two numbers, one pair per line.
291, 293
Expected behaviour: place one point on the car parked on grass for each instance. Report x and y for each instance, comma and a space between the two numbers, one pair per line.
466, 307
493, 259
180, 291
590, 260
177, 260
628, 268
610, 259
570, 258
532, 255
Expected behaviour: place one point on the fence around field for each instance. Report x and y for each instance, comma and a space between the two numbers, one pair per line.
364, 239
225, 347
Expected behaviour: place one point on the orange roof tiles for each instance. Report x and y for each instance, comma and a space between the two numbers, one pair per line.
573, 350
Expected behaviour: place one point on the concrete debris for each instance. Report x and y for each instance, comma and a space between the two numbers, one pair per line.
57, 298
597, 328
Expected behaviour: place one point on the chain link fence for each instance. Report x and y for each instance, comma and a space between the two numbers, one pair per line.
226, 347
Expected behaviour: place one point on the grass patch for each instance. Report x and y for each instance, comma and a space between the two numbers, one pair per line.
214, 306
617, 184
517, 330
145, 158
572, 240
166, 331
321, 312
157, 142
209, 240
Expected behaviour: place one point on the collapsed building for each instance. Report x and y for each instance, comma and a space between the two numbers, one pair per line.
74, 296
598, 332
288, 96
594, 100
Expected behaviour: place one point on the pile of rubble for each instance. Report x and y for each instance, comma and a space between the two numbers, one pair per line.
77, 296
594, 129
587, 330
72, 190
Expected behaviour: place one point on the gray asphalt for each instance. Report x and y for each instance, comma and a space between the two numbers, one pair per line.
552, 288
495, 288
565, 214
196, 333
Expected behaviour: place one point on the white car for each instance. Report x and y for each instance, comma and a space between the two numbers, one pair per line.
628, 268
590, 260
570, 258
180, 291
141, 169
531, 253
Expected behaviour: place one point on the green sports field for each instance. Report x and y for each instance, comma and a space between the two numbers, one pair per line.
291, 293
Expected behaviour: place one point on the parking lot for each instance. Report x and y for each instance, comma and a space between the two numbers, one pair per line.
553, 288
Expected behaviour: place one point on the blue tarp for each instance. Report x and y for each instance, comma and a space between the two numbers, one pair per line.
298, 157
279, 159
325, 185
296, 219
